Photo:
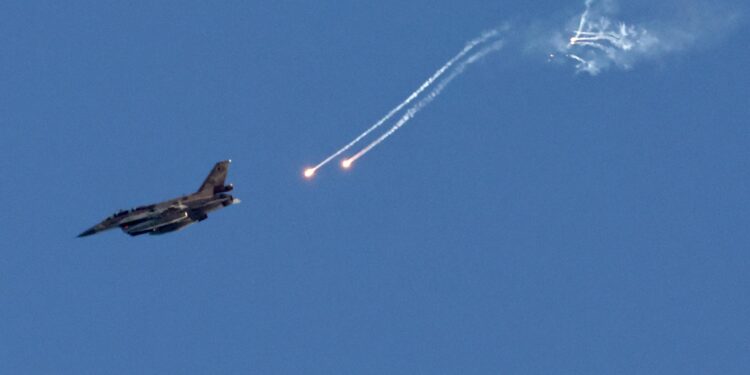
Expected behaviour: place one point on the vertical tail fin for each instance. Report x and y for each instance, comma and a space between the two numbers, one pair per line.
216, 178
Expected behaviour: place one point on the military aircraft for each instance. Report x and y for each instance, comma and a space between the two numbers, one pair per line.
173, 214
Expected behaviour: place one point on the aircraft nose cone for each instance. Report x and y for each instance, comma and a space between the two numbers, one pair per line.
87, 233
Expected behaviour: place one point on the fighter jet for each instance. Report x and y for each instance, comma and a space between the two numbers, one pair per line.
173, 214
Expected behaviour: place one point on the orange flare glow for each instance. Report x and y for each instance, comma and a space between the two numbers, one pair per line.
309, 172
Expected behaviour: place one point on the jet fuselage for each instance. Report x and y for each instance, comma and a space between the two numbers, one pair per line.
174, 214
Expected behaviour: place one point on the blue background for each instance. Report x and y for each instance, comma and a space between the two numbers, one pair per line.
530, 221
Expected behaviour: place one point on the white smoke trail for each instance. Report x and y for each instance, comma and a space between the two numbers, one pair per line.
592, 41
597, 43
411, 112
469, 46
584, 16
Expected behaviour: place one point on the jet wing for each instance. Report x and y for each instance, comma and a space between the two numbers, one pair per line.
169, 216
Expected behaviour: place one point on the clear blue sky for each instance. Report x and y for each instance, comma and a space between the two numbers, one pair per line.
530, 221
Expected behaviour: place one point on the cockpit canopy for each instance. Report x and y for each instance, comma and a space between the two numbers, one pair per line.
119, 213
